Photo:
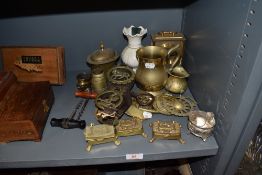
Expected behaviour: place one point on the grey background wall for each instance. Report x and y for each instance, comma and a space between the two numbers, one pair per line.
81, 33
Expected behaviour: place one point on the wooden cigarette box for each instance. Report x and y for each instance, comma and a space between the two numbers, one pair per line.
24, 108
32, 64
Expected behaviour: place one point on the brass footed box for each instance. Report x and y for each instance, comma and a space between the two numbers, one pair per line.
98, 134
166, 130
24, 108
130, 127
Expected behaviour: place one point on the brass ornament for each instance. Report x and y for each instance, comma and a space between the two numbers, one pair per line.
166, 130
174, 105
99, 134
109, 100
120, 75
130, 127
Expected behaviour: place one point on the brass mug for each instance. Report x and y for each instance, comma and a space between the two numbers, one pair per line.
151, 74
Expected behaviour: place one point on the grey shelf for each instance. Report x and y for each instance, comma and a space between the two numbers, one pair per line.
60, 147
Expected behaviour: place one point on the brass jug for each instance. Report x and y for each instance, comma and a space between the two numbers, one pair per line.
176, 81
151, 74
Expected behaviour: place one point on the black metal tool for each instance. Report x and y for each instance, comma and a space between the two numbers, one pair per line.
70, 122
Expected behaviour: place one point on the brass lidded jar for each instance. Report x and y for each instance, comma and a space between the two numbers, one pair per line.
151, 74
102, 59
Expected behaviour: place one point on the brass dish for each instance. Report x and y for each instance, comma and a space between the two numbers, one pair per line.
98, 134
166, 130
130, 127
174, 105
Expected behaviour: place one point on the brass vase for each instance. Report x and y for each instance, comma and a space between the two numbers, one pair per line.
151, 74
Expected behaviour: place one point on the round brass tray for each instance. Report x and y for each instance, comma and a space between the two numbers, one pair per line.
174, 105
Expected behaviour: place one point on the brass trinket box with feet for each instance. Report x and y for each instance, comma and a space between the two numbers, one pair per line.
166, 130
99, 134
130, 127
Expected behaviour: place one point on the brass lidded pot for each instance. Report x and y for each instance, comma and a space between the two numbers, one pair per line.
102, 59
151, 74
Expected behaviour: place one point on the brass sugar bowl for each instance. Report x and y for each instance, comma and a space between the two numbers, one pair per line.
102, 59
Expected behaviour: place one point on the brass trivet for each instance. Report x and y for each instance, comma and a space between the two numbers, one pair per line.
174, 105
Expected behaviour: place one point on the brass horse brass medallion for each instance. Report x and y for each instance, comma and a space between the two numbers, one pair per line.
98, 134
166, 130
109, 100
174, 105
129, 127
121, 75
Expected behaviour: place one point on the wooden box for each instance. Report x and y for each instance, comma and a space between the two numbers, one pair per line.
24, 108
32, 64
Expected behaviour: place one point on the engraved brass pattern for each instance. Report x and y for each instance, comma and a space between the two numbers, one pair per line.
45, 106
130, 127
98, 134
109, 100
166, 130
121, 75
174, 105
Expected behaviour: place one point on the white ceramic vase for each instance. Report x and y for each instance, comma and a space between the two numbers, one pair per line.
134, 36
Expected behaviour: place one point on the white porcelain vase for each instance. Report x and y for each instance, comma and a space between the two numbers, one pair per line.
134, 36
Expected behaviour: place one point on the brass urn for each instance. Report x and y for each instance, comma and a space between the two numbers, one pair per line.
151, 74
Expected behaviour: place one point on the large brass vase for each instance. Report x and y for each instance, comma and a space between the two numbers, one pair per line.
151, 74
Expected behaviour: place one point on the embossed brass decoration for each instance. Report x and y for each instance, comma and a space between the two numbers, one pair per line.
121, 76
98, 134
166, 130
176, 81
174, 105
134, 111
109, 99
45, 106
130, 127
201, 123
